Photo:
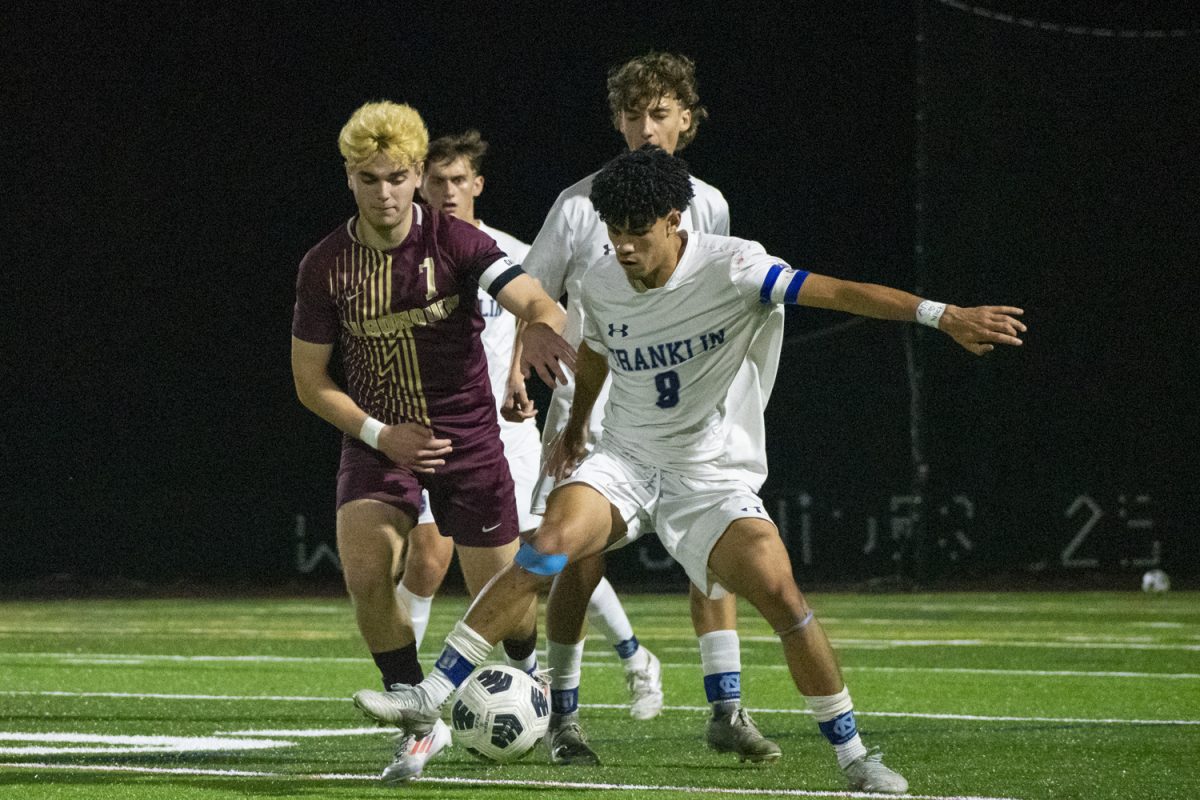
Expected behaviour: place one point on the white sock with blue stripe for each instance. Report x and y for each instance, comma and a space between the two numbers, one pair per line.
465, 649
721, 660
566, 663
835, 717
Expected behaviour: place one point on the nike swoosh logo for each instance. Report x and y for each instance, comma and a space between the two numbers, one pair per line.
489, 530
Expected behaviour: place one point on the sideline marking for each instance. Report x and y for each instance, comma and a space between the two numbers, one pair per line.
488, 782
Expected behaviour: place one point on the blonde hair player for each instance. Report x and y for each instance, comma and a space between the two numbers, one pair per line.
416, 411
672, 316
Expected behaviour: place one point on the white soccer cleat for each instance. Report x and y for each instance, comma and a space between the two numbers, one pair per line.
645, 689
406, 707
413, 752
869, 774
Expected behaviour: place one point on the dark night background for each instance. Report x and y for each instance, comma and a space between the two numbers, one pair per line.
168, 165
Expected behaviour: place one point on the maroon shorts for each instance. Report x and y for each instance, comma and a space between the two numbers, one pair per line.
472, 495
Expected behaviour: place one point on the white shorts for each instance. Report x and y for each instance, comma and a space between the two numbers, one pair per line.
556, 419
689, 514
523, 450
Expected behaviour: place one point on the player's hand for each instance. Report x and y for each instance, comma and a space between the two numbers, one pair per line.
413, 446
517, 407
566, 450
980, 328
545, 352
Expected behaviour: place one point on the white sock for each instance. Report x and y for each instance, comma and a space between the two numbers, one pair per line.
721, 661
835, 717
565, 662
418, 610
606, 613
528, 664
464, 651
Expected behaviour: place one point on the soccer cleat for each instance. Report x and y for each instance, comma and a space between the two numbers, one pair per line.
869, 774
412, 753
645, 689
406, 707
568, 745
737, 733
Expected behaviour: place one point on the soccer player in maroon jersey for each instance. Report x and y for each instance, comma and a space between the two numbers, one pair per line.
394, 288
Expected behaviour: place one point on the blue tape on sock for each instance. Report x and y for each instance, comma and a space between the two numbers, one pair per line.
627, 648
531, 560
722, 686
564, 701
840, 729
452, 664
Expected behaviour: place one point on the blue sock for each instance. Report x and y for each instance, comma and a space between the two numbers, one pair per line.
564, 701
723, 687
454, 666
627, 648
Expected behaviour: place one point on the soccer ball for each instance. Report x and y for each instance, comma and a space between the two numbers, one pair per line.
1155, 581
500, 713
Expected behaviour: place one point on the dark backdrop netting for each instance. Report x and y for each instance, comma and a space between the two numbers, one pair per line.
1060, 176
1044, 158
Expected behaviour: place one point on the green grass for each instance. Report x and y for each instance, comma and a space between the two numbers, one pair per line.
983, 695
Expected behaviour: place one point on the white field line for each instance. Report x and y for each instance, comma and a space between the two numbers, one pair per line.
911, 714
532, 784
113, 659
1069, 644
216, 632
127, 745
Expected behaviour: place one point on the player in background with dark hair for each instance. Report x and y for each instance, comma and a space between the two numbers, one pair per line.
395, 289
692, 309
652, 99
453, 179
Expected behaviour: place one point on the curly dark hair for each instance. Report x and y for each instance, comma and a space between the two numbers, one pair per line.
469, 145
641, 186
642, 80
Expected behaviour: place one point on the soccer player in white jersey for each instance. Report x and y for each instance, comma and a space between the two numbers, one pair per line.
450, 182
672, 316
653, 100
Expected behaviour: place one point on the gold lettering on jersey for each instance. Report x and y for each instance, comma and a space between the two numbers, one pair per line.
390, 325
426, 266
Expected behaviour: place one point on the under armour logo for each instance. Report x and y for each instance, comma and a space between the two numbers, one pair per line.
757, 509
613, 330
608, 249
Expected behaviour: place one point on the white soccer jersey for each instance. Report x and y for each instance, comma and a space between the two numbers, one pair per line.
692, 363
573, 236
500, 328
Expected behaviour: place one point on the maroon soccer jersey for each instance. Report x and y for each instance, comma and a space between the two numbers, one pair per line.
406, 319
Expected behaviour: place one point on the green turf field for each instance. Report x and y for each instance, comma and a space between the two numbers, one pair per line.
970, 695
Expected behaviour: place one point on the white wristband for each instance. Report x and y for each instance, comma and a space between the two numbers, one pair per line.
930, 313
369, 432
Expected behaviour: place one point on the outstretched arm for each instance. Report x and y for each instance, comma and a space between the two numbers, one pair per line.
978, 328
570, 446
408, 444
542, 349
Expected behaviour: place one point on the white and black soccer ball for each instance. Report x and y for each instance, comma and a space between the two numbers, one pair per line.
1155, 581
500, 713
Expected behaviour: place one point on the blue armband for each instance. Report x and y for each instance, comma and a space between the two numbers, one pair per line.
531, 560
